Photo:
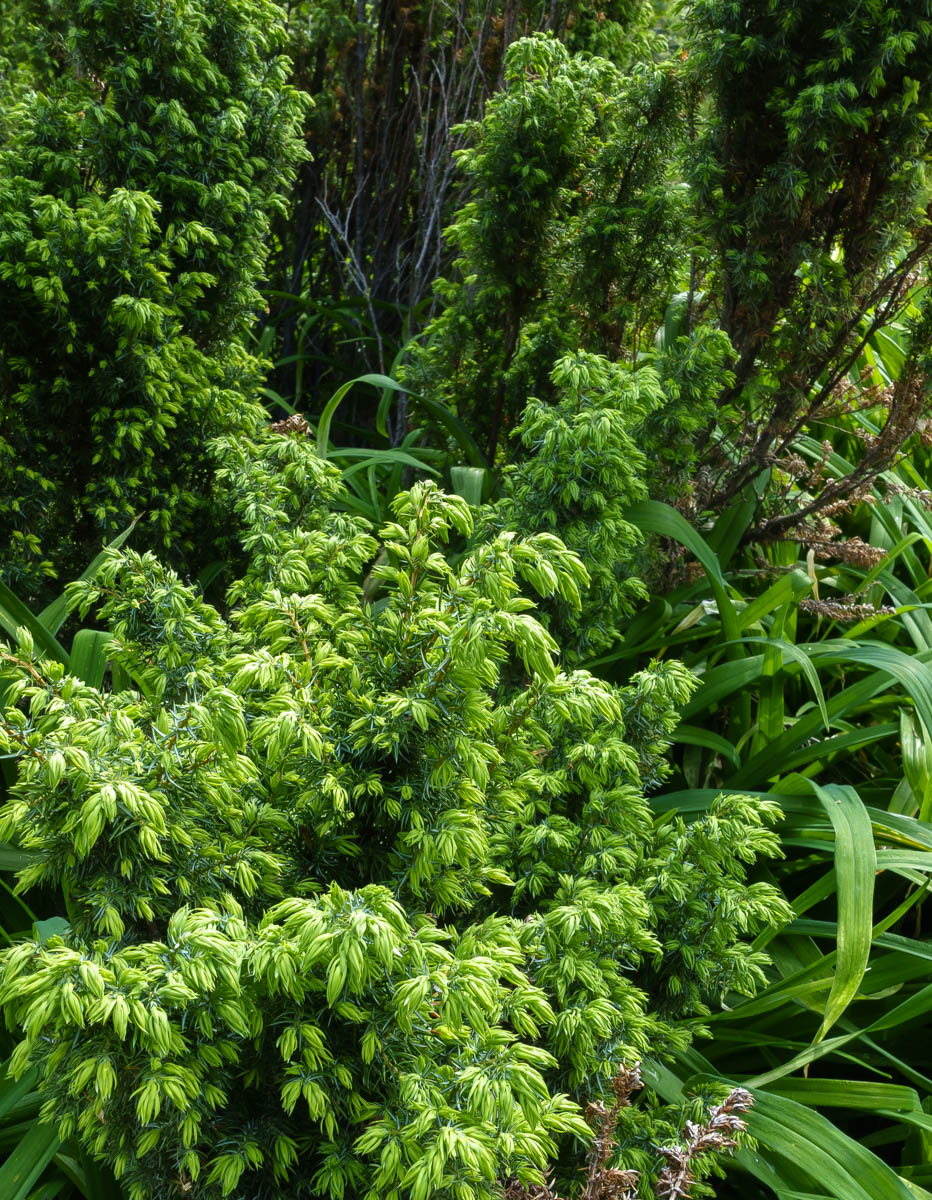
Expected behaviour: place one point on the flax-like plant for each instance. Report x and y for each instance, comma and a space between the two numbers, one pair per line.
814, 692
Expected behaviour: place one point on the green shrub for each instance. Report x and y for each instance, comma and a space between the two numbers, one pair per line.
363, 242
570, 235
810, 175
135, 194
579, 471
29, 33
750, 215
351, 914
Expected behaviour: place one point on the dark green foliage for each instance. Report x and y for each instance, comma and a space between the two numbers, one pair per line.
755, 210
693, 368
847, 627
810, 179
567, 238
370, 885
30, 32
135, 194
355, 265
349, 913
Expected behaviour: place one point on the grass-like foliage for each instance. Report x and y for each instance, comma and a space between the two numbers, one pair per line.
416, 864
814, 690
363, 899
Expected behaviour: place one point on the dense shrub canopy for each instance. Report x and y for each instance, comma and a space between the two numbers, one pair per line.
566, 240
747, 216
581, 473
391, 84
348, 910
135, 195
391, 872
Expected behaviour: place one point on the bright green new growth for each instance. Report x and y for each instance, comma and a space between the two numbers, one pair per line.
580, 469
135, 193
351, 914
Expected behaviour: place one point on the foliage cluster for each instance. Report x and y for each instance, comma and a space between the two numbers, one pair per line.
812, 197
356, 262
768, 188
377, 876
814, 691
348, 910
581, 472
568, 240
135, 194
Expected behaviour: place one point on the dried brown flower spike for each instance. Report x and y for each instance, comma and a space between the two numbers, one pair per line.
514, 1189
293, 424
716, 1136
846, 608
602, 1182
850, 550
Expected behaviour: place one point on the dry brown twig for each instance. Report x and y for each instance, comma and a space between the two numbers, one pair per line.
717, 1135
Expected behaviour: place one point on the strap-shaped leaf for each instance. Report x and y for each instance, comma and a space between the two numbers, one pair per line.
855, 868
15, 614
30, 1157
88, 658
653, 516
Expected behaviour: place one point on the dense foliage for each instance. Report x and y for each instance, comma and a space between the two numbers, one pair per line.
569, 238
504, 773
347, 911
391, 85
135, 194
812, 198
768, 187
581, 473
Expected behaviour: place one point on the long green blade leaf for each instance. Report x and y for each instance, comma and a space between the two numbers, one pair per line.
54, 615
848, 1093
798, 655
27, 1162
855, 868
14, 613
88, 658
455, 427
652, 516
833, 1160
326, 417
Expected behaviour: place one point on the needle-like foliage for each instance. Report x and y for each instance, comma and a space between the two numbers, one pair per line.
580, 470
751, 214
136, 184
352, 912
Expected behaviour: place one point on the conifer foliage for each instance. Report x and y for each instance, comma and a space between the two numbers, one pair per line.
810, 175
364, 899
580, 470
569, 236
136, 187
749, 216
